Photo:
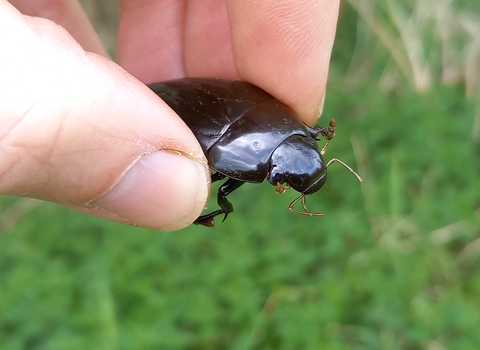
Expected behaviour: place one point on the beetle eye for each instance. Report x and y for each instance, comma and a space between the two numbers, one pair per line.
276, 175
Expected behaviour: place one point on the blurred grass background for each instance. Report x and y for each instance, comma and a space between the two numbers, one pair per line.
393, 264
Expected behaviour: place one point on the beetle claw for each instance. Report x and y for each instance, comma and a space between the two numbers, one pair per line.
209, 222
209, 219
327, 132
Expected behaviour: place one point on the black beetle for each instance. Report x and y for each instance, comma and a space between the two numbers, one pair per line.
248, 136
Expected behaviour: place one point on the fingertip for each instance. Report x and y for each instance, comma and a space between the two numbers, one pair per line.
287, 36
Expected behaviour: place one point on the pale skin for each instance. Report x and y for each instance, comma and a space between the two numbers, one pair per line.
80, 130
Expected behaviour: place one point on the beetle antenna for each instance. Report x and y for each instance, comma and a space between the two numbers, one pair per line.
305, 210
324, 148
328, 133
333, 160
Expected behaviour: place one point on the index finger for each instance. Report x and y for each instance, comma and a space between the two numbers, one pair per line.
284, 47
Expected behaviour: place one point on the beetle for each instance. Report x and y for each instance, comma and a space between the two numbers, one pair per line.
249, 136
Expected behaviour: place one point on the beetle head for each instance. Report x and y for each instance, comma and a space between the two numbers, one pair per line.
298, 163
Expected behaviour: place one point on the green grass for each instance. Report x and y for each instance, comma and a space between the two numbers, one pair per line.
393, 264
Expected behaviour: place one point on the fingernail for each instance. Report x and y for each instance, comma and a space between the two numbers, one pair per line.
322, 104
163, 190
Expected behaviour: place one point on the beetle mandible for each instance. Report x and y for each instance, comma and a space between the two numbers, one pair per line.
249, 136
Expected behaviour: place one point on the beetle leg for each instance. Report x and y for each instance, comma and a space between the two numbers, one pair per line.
207, 220
315, 131
304, 205
280, 189
217, 176
226, 207
324, 148
228, 187
330, 133
327, 132
333, 160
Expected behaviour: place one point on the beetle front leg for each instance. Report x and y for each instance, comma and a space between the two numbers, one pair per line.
226, 207
327, 132
217, 176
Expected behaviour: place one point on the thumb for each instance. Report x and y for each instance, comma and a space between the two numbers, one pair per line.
78, 130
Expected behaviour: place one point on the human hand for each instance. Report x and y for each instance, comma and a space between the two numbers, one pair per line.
77, 129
